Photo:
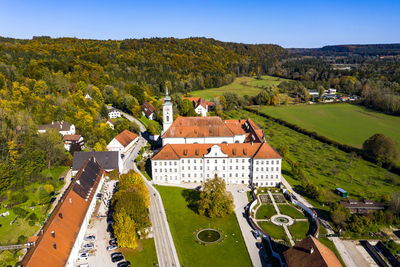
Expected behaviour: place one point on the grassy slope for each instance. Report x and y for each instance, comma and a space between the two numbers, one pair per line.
324, 165
9, 233
184, 222
242, 86
144, 256
345, 123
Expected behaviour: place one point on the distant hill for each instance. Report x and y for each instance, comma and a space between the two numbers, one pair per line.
371, 50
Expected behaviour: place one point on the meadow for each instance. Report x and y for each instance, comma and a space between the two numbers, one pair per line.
143, 256
184, 224
345, 123
326, 166
241, 85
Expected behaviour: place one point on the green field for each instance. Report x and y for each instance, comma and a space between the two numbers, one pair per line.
184, 224
145, 255
242, 86
344, 123
326, 166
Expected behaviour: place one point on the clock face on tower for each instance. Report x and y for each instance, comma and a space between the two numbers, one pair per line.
166, 109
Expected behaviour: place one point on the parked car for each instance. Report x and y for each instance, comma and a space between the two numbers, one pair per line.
61, 179
90, 238
124, 264
116, 254
112, 247
83, 265
241, 190
117, 258
256, 235
112, 242
89, 246
83, 256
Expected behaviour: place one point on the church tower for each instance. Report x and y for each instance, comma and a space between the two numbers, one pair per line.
167, 112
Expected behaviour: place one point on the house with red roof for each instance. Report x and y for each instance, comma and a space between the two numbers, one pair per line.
199, 105
148, 110
73, 142
123, 142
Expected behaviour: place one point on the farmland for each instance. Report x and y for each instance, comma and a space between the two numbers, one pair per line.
344, 123
242, 86
326, 166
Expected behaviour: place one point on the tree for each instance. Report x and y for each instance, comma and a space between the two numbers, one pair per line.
382, 148
395, 203
214, 200
340, 215
124, 229
52, 144
186, 108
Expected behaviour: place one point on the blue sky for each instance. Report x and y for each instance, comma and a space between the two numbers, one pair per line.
299, 23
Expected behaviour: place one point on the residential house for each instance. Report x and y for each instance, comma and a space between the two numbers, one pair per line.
62, 127
73, 142
310, 252
313, 93
123, 142
199, 104
58, 242
114, 113
108, 160
148, 110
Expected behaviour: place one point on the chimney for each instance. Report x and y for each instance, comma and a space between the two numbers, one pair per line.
70, 200
311, 250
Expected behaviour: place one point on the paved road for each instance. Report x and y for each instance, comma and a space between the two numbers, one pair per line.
166, 252
344, 253
130, 156
241, 201
131, 118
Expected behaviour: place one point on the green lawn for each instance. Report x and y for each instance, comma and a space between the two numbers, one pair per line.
325, 165
265, 211
184, 223
9, 233
275, 231
290, 211
299, 230
145, 255
344, 123
241, 85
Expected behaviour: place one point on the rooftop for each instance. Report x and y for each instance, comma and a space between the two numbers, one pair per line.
56, 239
59, 125
235, 150
108, 160
309, 252
148, 108
72, 137
126, 137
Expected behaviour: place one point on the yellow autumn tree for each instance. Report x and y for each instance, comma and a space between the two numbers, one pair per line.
125, 230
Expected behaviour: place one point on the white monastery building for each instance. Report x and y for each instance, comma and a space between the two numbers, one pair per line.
199, 148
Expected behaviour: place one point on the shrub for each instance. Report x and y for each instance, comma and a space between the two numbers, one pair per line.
33, 217
20, 212
22, 239
18, 198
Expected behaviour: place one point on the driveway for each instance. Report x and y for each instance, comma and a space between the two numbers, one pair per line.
241, 201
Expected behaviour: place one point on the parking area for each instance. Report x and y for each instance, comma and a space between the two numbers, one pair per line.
98, 254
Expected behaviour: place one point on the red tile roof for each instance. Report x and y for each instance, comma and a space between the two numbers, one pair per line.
193, 127
148, 108
309, 252
71, 137
65, 221
235, 150
126, 137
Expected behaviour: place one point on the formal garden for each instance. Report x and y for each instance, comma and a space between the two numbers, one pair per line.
202, 240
